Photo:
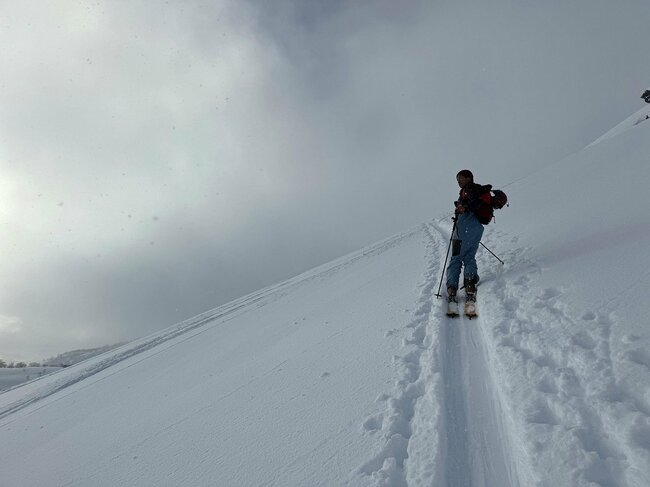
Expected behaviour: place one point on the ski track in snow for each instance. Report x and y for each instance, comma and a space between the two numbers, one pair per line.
495, 401
565, 403
418, 381
443, 423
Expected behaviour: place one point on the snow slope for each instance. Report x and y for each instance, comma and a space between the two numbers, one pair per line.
75, 356
632, 121
14, 376
350, 374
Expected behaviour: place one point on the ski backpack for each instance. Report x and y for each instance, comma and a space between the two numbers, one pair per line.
489, 201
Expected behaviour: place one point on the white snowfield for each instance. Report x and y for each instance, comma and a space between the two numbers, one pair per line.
10, 377
638, 118
351, 374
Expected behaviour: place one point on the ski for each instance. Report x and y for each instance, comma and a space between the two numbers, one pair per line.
470, 309
452, 308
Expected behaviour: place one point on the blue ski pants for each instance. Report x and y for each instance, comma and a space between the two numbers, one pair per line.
465, 242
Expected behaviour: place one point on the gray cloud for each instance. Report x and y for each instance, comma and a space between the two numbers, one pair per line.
157, 160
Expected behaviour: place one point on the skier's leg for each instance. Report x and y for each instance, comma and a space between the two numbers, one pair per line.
471, 267
472, 240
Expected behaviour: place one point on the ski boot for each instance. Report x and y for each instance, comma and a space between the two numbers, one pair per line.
452, 303
470, 297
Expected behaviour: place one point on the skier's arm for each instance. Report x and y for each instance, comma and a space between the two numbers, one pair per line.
469, 203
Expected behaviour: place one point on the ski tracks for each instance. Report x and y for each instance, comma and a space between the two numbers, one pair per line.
416, 393
442, 425
530, 394
574, 421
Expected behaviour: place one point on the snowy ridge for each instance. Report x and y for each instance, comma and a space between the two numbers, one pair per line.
632, 121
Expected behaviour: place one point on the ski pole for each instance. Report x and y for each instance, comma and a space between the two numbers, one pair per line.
463, 287
445, 264
492, 253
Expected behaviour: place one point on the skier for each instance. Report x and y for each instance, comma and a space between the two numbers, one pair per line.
466, 238
646, 96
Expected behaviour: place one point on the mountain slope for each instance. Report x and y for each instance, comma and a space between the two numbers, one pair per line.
282, 378
568, 328
351, 374
632, 121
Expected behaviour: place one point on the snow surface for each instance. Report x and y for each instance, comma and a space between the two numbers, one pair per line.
10, 377
75, 356
350, 374
638, 118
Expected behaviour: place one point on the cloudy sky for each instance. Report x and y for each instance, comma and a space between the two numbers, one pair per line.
158, 159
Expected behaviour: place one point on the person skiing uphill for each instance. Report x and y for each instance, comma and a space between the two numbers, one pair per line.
466, 238
646, 96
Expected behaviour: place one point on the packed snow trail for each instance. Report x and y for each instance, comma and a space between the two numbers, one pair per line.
445, 423
477, 445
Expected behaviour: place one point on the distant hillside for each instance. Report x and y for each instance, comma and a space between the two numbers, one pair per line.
11, 377
75, 356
